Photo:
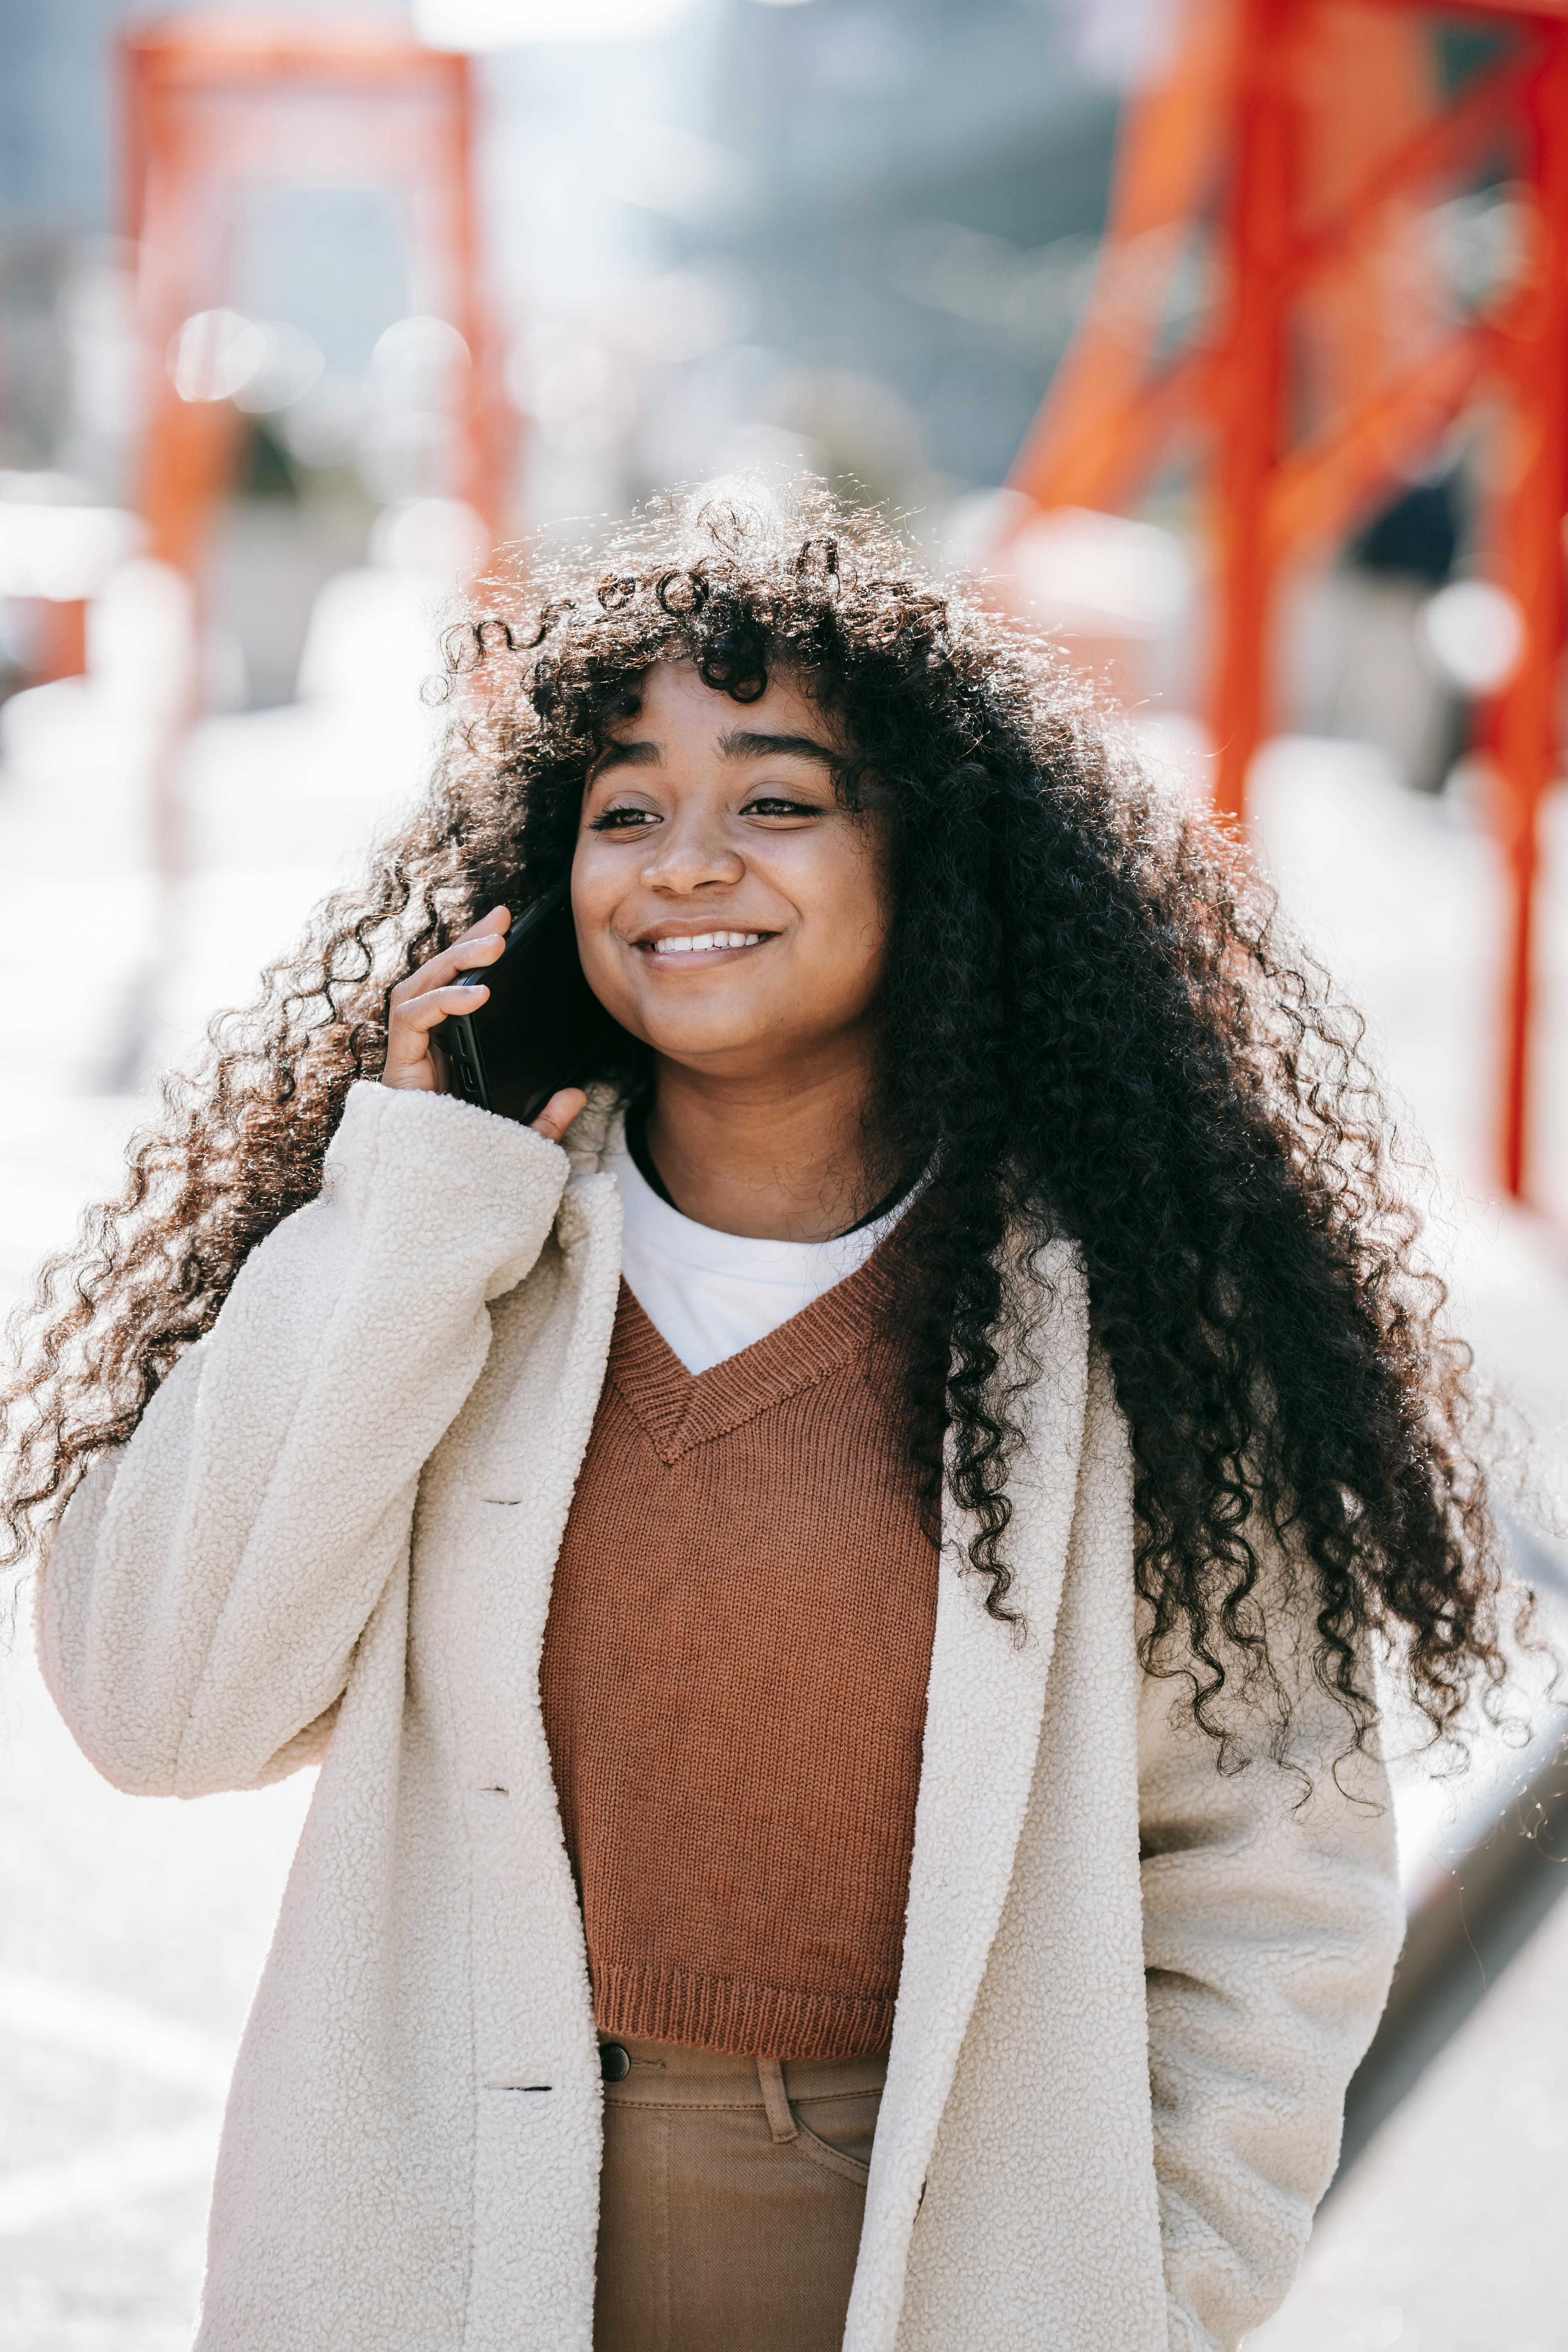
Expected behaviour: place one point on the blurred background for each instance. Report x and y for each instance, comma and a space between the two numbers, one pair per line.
1228, 341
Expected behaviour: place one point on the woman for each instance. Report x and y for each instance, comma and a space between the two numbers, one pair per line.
849, 1806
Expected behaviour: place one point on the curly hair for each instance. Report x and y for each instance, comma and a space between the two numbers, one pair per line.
1091, 1025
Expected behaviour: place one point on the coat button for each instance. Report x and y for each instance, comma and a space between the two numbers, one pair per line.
614, 2062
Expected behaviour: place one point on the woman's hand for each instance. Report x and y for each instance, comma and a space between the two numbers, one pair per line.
418, 1004
558, 1114
421, 1001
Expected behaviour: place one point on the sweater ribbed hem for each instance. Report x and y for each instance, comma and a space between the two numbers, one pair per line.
647, 2003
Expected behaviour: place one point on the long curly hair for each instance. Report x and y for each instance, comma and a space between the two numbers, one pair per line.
1091, 1025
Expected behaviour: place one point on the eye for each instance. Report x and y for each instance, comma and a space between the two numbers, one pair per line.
623, 820
780, 805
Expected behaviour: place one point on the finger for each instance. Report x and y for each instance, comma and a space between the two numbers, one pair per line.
463, 955
559, 1113
423, 1012
499, 919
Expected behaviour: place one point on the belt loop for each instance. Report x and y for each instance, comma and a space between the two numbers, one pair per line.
776, 2099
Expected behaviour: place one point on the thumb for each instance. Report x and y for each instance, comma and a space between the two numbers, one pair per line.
559, 1113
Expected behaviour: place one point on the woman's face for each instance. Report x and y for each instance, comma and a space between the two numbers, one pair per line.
729, 913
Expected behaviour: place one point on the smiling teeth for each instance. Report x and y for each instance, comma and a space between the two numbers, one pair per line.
702, 940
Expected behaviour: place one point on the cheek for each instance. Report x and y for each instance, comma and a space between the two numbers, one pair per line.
593, 899
857, 921
845, 949
586, 883
601, 877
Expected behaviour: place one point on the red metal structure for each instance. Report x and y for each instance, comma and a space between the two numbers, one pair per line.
220, 105
1304, 139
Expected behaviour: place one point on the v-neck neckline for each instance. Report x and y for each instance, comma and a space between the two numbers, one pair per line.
679, 1409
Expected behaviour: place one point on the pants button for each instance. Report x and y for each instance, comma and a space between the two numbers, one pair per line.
614, 2062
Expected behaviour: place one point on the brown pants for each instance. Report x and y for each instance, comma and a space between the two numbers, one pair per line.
730, 2200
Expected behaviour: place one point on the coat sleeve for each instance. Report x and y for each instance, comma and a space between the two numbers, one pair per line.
201, 1601
1272, 1921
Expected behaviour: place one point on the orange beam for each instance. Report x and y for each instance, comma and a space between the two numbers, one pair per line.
1251, 382
487, 441
1264, 82
175, 70
194, 44
1443, 143
1534, 352
1541, 12
62, 640
1318, 493
1095, 432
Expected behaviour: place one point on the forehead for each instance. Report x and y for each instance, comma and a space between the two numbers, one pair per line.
674, 701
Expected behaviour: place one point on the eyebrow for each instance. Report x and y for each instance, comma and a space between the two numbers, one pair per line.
740, 743
617, 754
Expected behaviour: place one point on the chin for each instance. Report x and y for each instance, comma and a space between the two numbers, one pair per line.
704, 1042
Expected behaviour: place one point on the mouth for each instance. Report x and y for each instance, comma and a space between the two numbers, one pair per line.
689, 950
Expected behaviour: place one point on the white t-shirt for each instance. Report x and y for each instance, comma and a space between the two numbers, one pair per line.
708, 1294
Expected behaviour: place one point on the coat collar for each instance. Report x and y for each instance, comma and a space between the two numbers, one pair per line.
984, 1708
595, 1129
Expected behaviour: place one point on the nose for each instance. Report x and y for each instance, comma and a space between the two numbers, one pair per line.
690, 853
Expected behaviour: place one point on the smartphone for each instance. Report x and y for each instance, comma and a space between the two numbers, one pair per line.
540, 1028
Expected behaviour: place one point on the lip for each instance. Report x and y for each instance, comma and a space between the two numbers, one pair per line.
647, 944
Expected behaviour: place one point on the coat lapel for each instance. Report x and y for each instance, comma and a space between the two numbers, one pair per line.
984, 1704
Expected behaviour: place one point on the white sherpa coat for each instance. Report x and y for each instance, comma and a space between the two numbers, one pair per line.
1134, 1989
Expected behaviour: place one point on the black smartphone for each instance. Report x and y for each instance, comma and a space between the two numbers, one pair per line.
541, 1026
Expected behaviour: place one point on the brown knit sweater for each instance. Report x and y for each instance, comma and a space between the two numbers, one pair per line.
734, 1680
